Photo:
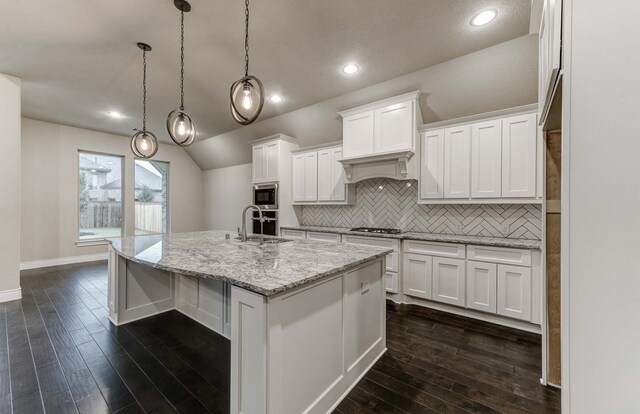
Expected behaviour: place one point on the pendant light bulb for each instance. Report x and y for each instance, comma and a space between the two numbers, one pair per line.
144, 143
247, 102
179, 125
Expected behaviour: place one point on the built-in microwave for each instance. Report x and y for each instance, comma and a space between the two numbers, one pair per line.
265, 196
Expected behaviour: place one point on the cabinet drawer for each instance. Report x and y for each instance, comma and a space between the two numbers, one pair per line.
516, 257
392, 258
435, 249
328, 237
391, 282
293, 234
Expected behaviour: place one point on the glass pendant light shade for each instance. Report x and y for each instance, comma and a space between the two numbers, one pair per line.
181, 128
144, 144
247, 99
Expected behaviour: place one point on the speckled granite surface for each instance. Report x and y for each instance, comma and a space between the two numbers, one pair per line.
445, 238
265, 269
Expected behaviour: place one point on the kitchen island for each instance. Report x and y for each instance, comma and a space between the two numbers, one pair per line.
306, 319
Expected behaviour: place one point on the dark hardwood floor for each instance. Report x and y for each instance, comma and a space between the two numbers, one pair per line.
60, 354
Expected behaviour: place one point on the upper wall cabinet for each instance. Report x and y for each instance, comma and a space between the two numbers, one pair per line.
383, 135
271, 158
550, 54
486, 161
318, 177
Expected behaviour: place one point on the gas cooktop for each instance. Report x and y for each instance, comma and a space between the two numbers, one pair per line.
376, 230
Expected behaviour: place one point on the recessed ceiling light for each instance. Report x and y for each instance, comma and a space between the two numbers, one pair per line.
115, 115
276, 98
350, 69
484, 17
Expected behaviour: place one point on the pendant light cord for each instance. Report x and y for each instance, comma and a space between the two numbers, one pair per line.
144, 90
246, 38
182, 60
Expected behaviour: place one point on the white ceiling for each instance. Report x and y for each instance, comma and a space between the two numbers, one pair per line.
78, 59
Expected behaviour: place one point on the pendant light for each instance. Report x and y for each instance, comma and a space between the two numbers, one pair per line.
179, 124
143, 143
247, 93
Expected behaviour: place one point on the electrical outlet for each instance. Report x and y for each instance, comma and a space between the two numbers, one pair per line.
505, 230
364, 287
459, 228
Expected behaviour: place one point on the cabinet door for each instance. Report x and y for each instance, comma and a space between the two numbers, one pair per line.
395, 127
258, 163
481, 286
298, 177
448, 280
456, 162
519, 156
432, 164
417, 272
486, 159
271, 151
514, 292
325, 175
357, 134
338, 192
391, 285
293, 234
311, 176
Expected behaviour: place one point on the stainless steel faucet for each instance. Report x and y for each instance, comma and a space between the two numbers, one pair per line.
243, 232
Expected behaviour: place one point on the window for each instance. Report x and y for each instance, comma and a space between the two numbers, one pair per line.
99, 195
151, 195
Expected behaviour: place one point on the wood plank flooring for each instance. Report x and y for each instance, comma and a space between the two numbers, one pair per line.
60, 354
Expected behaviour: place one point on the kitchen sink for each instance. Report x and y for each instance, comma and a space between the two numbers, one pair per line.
266, 240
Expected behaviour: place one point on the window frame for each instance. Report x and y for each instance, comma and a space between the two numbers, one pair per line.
94, 241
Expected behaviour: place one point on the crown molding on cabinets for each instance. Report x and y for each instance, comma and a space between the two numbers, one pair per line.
486, 116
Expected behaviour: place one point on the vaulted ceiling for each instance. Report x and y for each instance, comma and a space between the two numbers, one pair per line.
78, 59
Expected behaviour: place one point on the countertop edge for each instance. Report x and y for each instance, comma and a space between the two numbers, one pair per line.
512, 243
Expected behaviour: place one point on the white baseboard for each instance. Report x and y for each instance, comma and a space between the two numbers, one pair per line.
11, 294
36, 264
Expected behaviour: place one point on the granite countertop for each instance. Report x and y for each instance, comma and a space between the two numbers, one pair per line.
443, 238
264, 269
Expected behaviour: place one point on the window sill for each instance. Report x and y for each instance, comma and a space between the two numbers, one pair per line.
92, 242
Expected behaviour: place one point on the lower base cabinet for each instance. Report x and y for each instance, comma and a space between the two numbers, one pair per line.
482, 286
417, 272
514, 292
391, 279
449, 281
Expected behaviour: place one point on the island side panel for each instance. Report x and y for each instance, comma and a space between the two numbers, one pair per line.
137, 291
323, 338
203, 300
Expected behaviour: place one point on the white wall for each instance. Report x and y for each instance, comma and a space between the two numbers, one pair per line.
49, 224
498, 77
601, 194
9, 185
226, 192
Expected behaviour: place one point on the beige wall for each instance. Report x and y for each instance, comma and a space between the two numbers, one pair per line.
226, 192
9, 183
498, 77
49, 224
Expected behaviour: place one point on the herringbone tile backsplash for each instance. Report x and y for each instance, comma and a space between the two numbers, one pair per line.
389, 203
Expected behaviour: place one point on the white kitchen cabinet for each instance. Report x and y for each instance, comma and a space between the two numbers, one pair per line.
395, 127
293, 234
358, 134
519, 150
486, 159
432, 164
331, 182
549, 53
417, 273
391, 282
326, 237
265, 162
305, 177
456, 161
392, 258
449, 281
482, 286
514, 292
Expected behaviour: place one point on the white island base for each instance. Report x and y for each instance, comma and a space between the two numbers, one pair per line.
299, 351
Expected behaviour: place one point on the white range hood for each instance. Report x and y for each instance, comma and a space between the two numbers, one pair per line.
380, 138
